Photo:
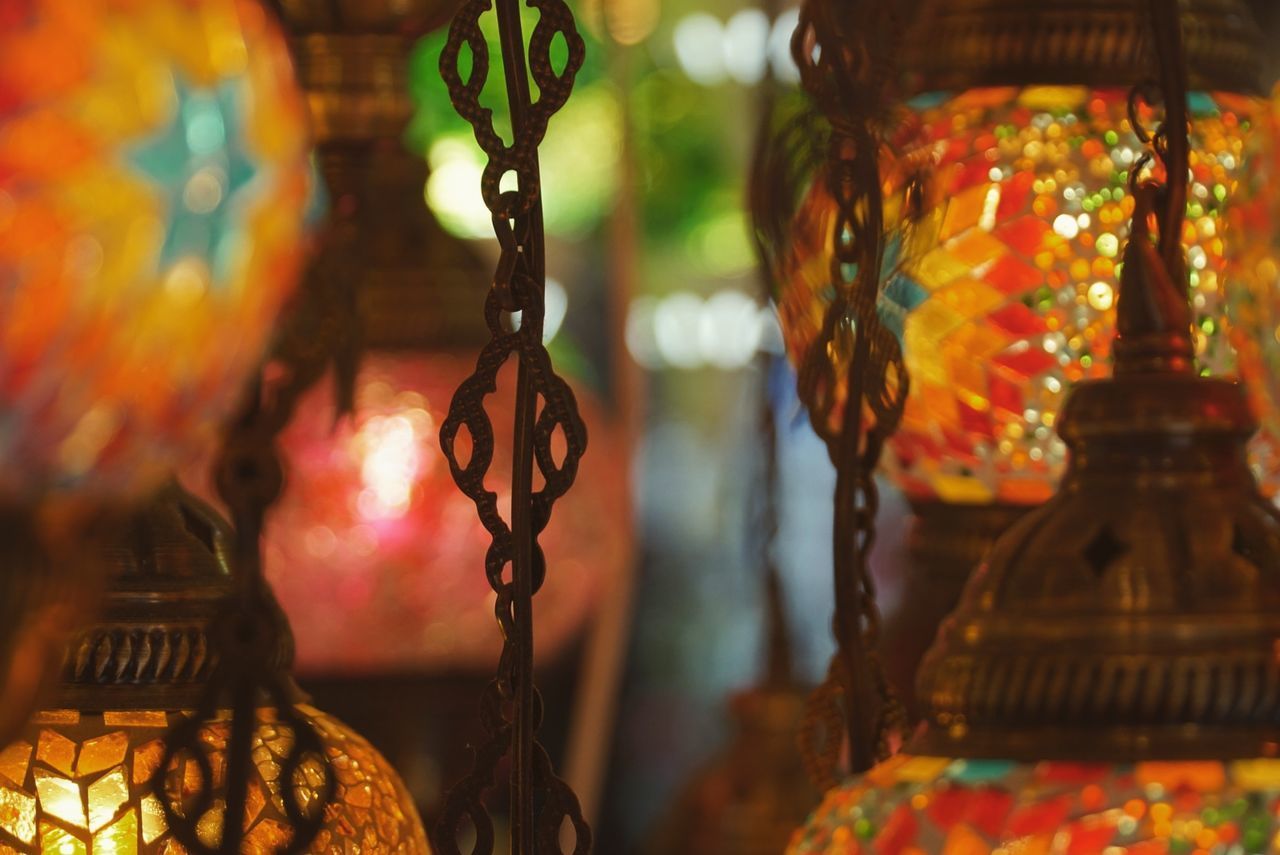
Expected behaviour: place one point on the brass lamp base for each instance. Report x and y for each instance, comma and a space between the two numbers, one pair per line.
946, 542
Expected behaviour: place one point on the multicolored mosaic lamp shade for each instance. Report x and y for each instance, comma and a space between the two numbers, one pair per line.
1008, 210
154, 182
78, 784
912, 805
378, 559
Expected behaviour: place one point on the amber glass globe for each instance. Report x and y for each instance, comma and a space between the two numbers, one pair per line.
999, 270
973, 807
79, 783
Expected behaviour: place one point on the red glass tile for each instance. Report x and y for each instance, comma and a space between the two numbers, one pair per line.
947, 807
1041, 818
1012, 276
1025, 235
1024, 363
1077, 774
975, 170
899, 832
1017, 320
975, 421
1005, 395
989, 811
1015, 196
1090, 838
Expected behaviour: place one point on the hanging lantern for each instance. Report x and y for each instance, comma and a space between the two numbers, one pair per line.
370, 504
1109, 677
1007, 204
78, 780
154, 179
373, 551
1127, 619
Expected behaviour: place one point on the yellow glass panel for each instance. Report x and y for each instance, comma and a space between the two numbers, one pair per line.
106, 796
135, 718
60, 798
153, 824
57, 751
14, 761
58, 841
970, 297
961, 490
964, 211
266, 837
938, 268
56, 717
146, 759
18, 814
121, 837
173, 847
101, 753
1256, 774
922, 770
209, 826
1053, 97
976, 248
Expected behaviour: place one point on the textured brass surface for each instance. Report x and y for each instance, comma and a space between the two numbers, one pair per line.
958, 44
149, 647
1137, 613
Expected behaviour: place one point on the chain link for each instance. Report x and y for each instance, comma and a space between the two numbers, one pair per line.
841, 50
511, 708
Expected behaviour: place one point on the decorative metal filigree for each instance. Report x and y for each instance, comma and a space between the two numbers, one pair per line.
842, 51
511, 708
251, 644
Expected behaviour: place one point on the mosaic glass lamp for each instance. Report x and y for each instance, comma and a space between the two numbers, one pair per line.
77, 781
1007, 196
371, 548
1109, 678
154, 188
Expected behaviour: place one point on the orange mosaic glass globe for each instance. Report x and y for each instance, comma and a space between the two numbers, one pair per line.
998, 274
78, 783
154, 187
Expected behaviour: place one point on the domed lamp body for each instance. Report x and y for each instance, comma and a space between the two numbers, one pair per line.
78, 780
373, 551
1109, 677
371, 548
1007, 194
154, 186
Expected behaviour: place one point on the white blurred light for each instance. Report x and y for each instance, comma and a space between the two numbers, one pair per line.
684, 331
641, 342
699, 44
676, 323
453, 188
729, 329
555, 306
784, 65
746, 41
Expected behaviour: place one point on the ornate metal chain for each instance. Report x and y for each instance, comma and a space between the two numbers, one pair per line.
1172, 150
841, 51
511, 708
253, 647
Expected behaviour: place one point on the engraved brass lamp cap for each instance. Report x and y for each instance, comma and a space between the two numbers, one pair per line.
960, 44
150, 646
1137, 613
